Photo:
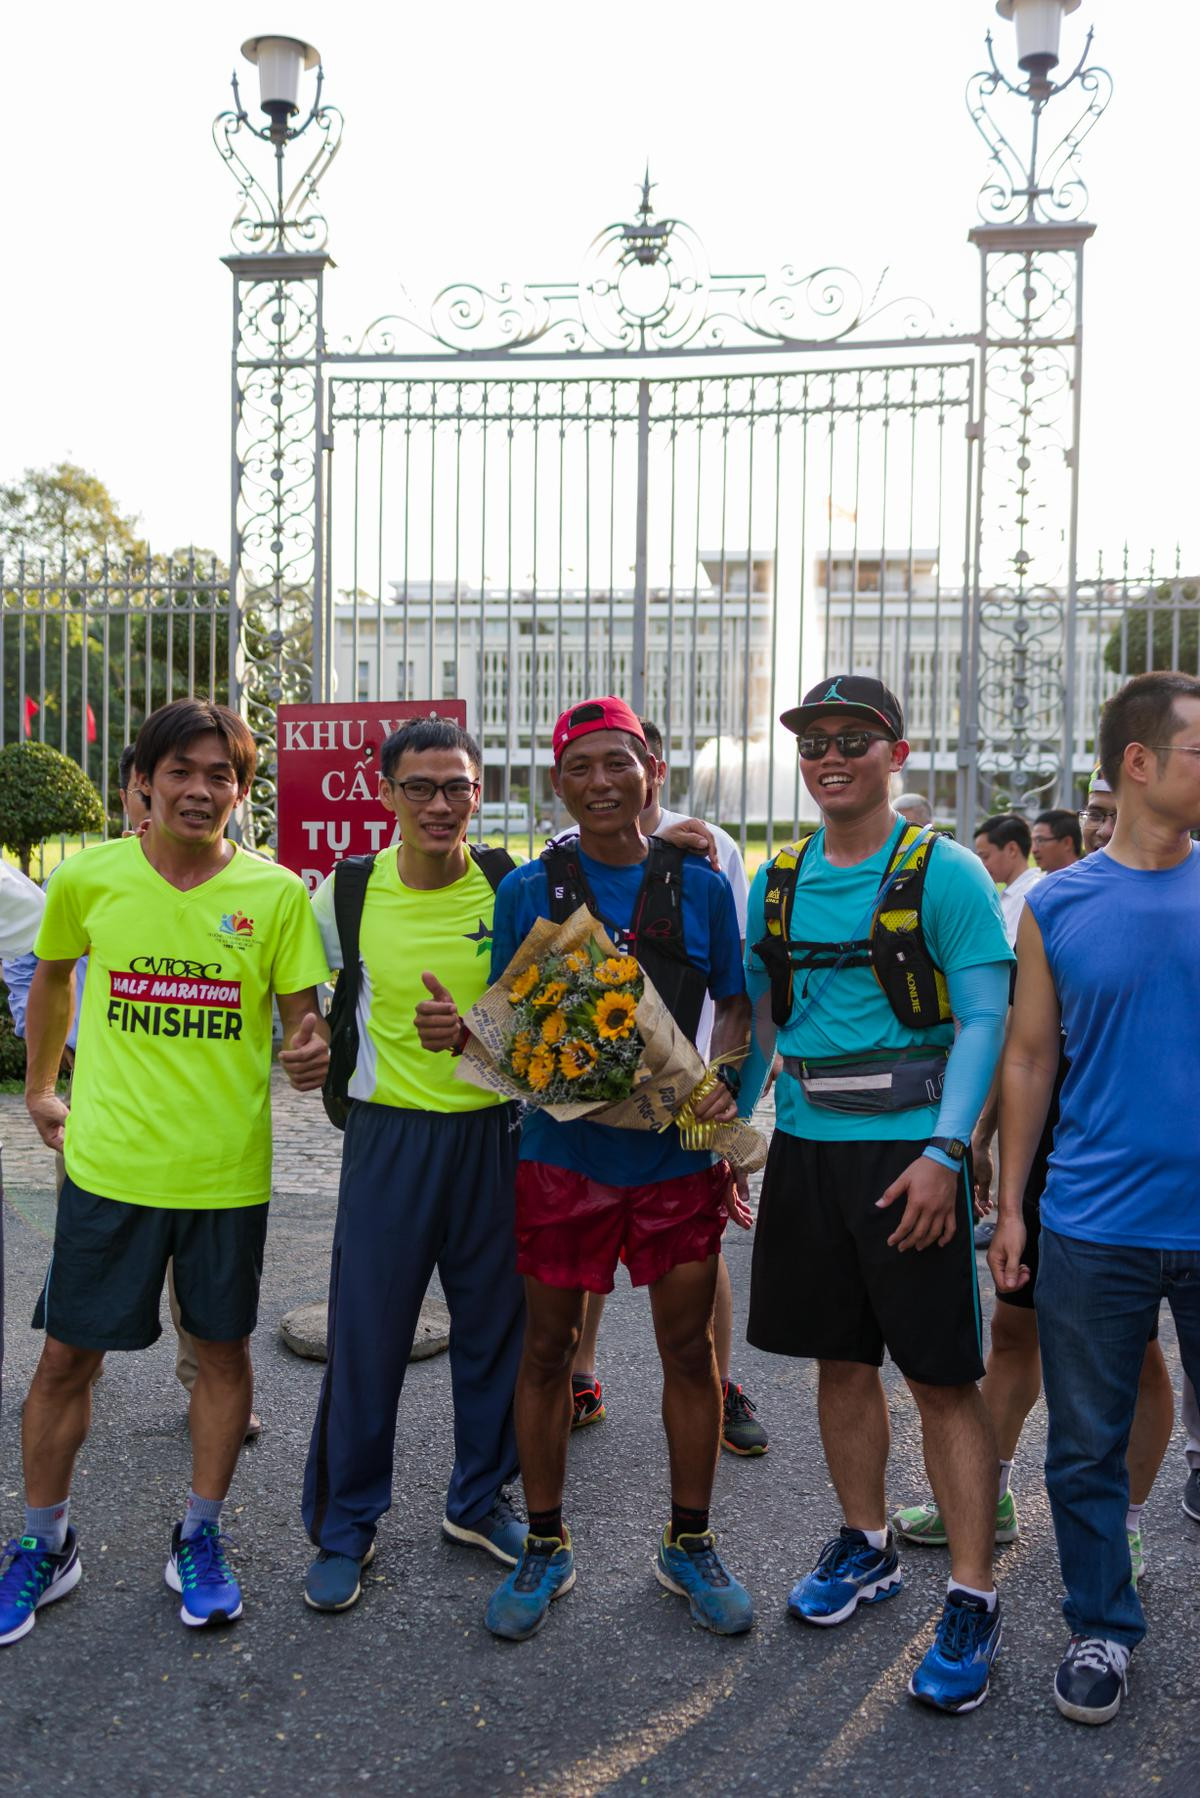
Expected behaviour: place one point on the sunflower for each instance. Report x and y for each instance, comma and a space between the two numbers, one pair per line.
577, 1058
575, 962
553, 993
617, 970
555, 1027
541, 1068
520, 1050
614, 1015
524, 983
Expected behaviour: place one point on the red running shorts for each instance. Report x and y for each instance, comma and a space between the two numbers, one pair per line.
572, 1230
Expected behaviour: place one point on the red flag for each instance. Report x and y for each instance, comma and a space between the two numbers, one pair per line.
91, 725
31, 707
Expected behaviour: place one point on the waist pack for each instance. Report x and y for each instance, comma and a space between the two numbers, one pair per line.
893, 1080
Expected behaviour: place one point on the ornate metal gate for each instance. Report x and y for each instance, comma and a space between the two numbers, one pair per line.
702, 490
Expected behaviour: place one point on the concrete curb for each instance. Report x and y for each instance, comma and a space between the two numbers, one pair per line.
305, 1331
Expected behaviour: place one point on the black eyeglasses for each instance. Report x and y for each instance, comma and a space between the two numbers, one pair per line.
1096, 814
420, 792
850, 743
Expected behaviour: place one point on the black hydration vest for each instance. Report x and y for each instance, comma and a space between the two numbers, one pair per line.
895, 951
655, 936
350, 880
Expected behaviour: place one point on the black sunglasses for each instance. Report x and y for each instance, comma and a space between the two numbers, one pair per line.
850, 743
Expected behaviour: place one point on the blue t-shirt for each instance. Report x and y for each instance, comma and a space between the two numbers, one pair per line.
1122, 948
963, 928
713, 942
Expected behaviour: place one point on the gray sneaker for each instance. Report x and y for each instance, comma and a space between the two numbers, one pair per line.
1191, 1494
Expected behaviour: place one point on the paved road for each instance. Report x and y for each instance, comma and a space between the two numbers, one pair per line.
111, 1697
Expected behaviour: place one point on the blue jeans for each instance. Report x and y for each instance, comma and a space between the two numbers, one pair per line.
1096, 1306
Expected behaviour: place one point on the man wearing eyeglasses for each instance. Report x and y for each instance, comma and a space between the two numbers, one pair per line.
427, 1181
1107, 959
864, 1229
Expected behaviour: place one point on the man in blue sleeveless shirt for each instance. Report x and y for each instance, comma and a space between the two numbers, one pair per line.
1107, 956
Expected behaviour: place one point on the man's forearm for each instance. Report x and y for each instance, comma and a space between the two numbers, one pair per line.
48, 1018
731, 1025
1026, 1088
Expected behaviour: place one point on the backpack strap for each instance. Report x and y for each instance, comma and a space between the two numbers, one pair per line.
350, 880
773, 951
494, 864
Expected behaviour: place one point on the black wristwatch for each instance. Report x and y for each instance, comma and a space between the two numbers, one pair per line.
953, 1146
730, 1077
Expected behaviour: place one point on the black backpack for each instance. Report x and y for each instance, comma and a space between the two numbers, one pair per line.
350, 879
655, 935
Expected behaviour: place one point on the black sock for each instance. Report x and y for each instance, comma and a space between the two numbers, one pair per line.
685, 1522
547, 1523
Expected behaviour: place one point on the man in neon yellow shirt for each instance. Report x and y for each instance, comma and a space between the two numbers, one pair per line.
428, 1179
189, 939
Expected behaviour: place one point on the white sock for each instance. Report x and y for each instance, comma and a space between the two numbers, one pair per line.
1005, 1478
877, 1538
1133, 1516
989, 1598
49, 1523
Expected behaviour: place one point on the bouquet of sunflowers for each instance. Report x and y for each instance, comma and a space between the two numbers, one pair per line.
574, 1027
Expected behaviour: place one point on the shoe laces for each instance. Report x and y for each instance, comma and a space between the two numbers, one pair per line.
503, 1511
27, 1570
705, 1559
201, 1560
738, 1406
1099, 1655
840, 1554
539, 1552
960, 1630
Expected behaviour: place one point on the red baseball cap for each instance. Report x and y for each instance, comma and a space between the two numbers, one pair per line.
609, 713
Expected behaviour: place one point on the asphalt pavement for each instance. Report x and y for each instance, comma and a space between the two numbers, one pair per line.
619, 1694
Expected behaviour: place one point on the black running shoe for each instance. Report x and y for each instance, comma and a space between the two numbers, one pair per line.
1090, 1682
588, 1400
741, 1432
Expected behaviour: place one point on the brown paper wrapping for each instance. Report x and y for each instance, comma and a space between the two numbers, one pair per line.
669, 1071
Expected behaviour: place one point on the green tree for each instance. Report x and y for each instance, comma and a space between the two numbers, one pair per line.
65, 510
1165, 623
43, 794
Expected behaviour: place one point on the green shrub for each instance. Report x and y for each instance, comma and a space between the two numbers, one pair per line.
43, 794
12, 1049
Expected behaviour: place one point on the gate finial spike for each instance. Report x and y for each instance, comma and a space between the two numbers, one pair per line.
646, 210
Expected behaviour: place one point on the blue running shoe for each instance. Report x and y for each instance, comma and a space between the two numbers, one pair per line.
848, 1572
199, 1571
692, 1567
517, 1608
34, 1576
954, 1674
500, 1532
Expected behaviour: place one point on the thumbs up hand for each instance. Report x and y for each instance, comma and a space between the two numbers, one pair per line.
437, 1022
305, 1059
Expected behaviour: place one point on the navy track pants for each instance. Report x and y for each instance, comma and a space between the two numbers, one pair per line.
419, 1190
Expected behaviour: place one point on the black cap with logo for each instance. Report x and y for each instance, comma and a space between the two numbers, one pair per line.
857, 695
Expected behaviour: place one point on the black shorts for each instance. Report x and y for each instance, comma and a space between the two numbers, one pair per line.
825, 1283
104, 1284
1031, 1212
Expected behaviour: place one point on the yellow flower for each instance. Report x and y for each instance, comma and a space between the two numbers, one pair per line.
618, 970
520, 1050
524, 984
555, 1027
541, 1068
614, 1015
553, 993
575, 962
576, 1058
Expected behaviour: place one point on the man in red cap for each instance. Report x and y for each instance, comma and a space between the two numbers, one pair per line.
589, 1195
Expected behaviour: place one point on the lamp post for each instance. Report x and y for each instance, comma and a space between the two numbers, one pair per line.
1019, 670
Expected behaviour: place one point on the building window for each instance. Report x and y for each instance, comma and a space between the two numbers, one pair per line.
449, 680
362, 686
404, 680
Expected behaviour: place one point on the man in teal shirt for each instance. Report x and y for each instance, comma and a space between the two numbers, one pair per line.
864, 1238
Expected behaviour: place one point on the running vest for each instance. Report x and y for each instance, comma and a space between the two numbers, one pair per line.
655, 935
350, 879
895, 951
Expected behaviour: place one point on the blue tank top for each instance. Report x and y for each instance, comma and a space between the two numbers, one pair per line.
1124, 949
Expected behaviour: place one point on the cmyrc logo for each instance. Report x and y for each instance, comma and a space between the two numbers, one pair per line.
236, 924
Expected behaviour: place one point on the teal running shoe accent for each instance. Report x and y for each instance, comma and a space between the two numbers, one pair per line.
35, 1575
499, 1532
517, 1608
199, 1572
953, 1676
849, 1572
692, 1567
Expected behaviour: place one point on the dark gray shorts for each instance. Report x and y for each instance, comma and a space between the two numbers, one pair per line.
104, 1285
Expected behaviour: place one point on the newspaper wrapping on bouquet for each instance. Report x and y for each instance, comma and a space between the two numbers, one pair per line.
661, 1080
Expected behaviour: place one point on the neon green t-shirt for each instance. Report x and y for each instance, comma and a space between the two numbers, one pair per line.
170, 1099
404, 932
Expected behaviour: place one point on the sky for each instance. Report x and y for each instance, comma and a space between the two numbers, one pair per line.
487, 143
